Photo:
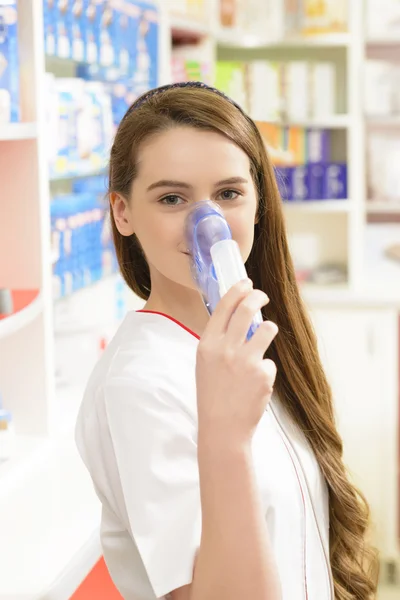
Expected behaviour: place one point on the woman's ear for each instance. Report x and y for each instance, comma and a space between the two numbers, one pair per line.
121, 213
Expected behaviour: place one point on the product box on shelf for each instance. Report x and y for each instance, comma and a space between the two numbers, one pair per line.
318, 142
297, 100
381, 87
228, 13
107, 26
264, 80
81, 240
230, 77
9, 63
335, 184
91, 17
80, 113
382, 18
145, 75
62, 15
325, 17
49, 23
322, 76
76, 21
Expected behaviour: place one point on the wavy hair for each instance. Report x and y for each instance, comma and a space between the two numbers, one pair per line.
301, 382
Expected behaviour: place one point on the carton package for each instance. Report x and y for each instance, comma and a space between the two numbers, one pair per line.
9, 63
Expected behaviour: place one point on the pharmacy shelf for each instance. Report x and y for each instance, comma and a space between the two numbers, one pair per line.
329, 206
231, 38
330, 122
18, 131
383, 207
28, 306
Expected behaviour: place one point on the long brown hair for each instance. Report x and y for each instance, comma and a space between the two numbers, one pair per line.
301, 383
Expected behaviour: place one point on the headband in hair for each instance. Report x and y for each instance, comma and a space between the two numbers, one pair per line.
184, 84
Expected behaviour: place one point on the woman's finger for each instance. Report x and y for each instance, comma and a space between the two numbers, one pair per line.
225, 308
262, 338
243, 316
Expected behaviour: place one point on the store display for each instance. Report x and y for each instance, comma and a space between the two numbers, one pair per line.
286, 91
381, 88
80, 125
279, 19
120, 39
81, 240
303, 167
230, 77
383, 159
190, 63
324, 16
9, 62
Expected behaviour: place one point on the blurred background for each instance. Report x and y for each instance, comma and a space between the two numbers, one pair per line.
322, 80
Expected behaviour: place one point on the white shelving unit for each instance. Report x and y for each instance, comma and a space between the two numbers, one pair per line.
43, 417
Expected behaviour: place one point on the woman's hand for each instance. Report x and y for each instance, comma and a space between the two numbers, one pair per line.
234, 381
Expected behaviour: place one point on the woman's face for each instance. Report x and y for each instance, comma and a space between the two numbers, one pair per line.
175, 169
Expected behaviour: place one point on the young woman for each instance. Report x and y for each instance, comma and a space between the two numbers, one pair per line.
217, 461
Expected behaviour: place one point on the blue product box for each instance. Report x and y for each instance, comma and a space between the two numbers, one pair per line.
300, 183
77, 29
284, 182
335, 184
318, 146
146, 48
92, 12
106, 33
49, 23
62, 26
9, 63
316, 181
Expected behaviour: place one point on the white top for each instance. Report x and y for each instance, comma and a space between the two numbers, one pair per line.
137, 434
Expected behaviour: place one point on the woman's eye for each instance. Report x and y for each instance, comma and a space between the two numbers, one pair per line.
229, 195
171, 200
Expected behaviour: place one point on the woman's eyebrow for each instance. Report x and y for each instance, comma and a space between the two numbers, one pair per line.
181, 184
231, 181
169, 183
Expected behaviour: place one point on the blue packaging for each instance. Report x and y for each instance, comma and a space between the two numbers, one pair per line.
317, 146
91, 17
146, 51
9, 62
300, 183
284, 182
316, 181
49, 23
335, 184
77, 29
62, 26
106, 34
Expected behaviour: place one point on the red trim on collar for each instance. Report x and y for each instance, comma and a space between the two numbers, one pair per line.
155, 312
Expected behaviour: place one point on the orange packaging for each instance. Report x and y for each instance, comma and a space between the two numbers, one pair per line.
296, 145
228, 13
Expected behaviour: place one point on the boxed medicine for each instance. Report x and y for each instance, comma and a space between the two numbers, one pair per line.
9, 63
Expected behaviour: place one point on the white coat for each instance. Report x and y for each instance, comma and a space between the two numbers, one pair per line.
137, 434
